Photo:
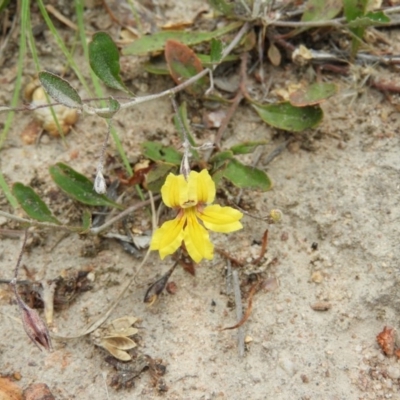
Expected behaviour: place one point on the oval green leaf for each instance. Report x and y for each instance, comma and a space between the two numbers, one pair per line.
78, 186
157, 152
219, 158
156, 42
290, 118
86, 221
32, 204
104, 60
370, 19
317, 10
247, 147
246, 177
314, 94
155, 179
60, 90
216, 50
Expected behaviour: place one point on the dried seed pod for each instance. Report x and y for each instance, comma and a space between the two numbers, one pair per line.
114, 337
34, 327
156, 288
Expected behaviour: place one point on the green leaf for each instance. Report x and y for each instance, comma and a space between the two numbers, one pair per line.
370, 19
156, 42
32, 204
218, 159
156, 67
86, 221
247, 147
185, 121
157, 152
7, 192
60, 90
104, 60
317, 10
289, 118
313, 94
78, 186
113, 106
216, 50
222, 6
354, 9
207, 61
247, 177
4, 4
155, 179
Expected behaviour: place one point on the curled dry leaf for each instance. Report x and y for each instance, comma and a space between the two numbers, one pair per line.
386, 340
114, 337
66, 116
9, 390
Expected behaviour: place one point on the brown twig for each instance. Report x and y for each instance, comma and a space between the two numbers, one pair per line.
253, 290
264, 246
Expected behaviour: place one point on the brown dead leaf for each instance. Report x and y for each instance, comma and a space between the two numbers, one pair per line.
183, 64
253, 290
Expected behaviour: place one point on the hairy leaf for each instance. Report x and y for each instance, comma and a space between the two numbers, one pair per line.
247, 177
156, 42
32, 204
78, 186
290, 118
104, 60
60, 90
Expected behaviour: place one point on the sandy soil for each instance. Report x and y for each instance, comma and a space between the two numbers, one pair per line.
337, 186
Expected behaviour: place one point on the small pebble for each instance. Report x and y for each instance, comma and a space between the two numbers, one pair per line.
393, 372
317, 277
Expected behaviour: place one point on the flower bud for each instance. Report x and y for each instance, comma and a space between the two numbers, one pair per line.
100, 183
34, 327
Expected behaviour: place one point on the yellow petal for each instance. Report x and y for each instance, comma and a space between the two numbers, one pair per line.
221, 219
205, 187
196, 239
174, 190
168, 238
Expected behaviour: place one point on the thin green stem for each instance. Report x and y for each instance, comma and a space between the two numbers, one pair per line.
7, 192
61, 45
20, 66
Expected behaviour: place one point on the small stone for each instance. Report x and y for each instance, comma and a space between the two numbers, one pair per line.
393, 372
287, 365
248, 339
317, 277
38, 391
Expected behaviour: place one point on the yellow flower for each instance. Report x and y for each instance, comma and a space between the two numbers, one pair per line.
191, 198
